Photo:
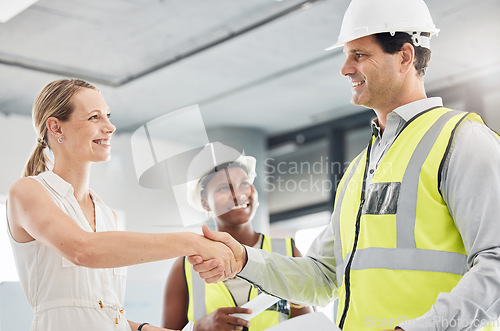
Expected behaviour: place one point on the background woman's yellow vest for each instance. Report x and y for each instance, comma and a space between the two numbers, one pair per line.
218, 295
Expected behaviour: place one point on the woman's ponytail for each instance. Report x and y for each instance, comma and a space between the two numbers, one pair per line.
37, 162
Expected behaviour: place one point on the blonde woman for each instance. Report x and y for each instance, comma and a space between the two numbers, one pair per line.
69, 256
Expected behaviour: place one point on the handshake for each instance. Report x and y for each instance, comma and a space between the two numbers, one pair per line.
219, 256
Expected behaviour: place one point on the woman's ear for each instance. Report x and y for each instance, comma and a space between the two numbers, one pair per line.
54, 127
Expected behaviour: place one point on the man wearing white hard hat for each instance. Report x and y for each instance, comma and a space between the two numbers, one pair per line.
413, 242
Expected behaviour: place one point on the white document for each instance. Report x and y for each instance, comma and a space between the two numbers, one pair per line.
188, 327
313, 321
258, 305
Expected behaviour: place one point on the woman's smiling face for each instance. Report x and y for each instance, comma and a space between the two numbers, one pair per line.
230, 195
88, 130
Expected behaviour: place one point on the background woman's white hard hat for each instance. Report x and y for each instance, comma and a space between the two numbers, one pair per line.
213, 155
366, 17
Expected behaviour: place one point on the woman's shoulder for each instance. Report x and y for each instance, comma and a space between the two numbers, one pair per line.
25, 197
25, 187
29, 193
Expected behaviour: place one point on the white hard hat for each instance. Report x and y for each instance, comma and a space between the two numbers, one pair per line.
367, 17
206, 161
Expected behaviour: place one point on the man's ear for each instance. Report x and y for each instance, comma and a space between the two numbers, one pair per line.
407, 54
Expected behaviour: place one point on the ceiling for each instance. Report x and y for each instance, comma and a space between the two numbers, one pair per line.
253, 63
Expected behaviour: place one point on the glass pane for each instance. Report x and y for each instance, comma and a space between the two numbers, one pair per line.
298, 177
356, 141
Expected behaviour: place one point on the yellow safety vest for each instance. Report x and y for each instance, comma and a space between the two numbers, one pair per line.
204, 298
396, 244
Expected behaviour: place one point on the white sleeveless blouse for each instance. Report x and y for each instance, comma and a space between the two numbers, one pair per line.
64, 296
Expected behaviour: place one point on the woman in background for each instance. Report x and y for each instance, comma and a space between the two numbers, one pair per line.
226, 193
69, 256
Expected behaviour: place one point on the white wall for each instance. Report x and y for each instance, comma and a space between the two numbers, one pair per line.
17, 140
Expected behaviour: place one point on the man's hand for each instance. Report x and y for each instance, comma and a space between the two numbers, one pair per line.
222, 320
208, 269
221, 256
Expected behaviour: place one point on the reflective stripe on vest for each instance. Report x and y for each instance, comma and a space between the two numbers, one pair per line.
407, 239
219, 295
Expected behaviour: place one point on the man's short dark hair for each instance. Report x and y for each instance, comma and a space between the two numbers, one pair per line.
392, 44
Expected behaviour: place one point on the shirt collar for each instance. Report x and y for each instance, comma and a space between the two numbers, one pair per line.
62, 187
58, 184
410, 110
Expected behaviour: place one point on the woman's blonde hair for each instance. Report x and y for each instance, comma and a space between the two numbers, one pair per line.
55, 100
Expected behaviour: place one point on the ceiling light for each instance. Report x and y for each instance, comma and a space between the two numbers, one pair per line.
10, 8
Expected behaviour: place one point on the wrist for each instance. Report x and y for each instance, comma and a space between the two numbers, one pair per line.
243, 260
193, 243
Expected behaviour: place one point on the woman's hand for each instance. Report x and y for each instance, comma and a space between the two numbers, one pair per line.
220, 258
222, 320
208, 269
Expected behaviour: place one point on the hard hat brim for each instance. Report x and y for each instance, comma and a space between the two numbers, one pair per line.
343, 41
336, 45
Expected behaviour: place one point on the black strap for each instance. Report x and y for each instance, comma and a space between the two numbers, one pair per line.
347, 272
447, 151
141, 326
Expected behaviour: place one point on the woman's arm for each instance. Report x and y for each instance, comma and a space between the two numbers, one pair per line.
175, 299
33, 215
